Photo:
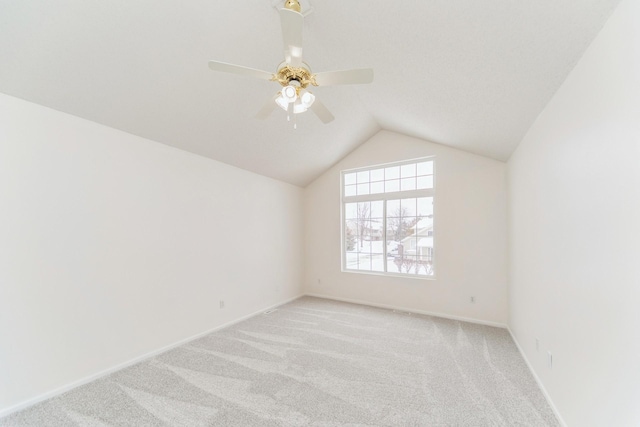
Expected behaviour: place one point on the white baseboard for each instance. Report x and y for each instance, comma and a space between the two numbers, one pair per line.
544, 390
63, 389
411, 310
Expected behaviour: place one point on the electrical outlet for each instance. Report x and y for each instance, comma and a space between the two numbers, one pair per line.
221, 304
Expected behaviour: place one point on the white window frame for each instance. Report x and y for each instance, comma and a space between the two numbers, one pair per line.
429, 192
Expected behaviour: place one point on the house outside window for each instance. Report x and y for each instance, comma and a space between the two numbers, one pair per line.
387, 219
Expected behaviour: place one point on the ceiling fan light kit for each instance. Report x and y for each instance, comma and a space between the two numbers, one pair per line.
293, 74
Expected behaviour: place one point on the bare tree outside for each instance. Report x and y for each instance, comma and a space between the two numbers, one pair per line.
350, 240
400, 224
364, 220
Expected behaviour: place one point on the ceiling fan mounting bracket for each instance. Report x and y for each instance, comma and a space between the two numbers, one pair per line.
292, 5
287, 74
306, 8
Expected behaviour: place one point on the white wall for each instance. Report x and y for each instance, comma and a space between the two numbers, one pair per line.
470, 229
113, 246
574, 198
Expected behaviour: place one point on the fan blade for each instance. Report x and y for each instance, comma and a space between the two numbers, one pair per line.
321, 111
292, 24
268, 108
238, 69
345, 77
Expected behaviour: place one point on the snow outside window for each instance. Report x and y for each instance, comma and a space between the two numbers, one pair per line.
387, 217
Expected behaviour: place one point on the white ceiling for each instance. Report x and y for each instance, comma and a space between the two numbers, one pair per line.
470, 74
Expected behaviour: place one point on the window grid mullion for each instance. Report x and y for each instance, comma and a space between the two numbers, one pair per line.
389, 196
384, 234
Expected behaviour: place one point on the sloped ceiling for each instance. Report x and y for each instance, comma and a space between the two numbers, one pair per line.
470, 74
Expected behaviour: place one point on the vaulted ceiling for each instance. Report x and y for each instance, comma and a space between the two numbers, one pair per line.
471, 74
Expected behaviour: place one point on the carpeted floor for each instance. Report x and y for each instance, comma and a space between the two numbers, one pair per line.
320, 363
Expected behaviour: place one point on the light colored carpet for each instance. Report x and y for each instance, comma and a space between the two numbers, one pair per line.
320, 363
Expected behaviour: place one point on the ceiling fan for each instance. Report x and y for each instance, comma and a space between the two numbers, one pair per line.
295, 75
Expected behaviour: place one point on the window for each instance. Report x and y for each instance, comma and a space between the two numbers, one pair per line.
387, 217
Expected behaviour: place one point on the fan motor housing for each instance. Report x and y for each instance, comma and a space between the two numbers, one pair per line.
302, 75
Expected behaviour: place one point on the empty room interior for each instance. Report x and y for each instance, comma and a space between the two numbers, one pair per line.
318, 212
